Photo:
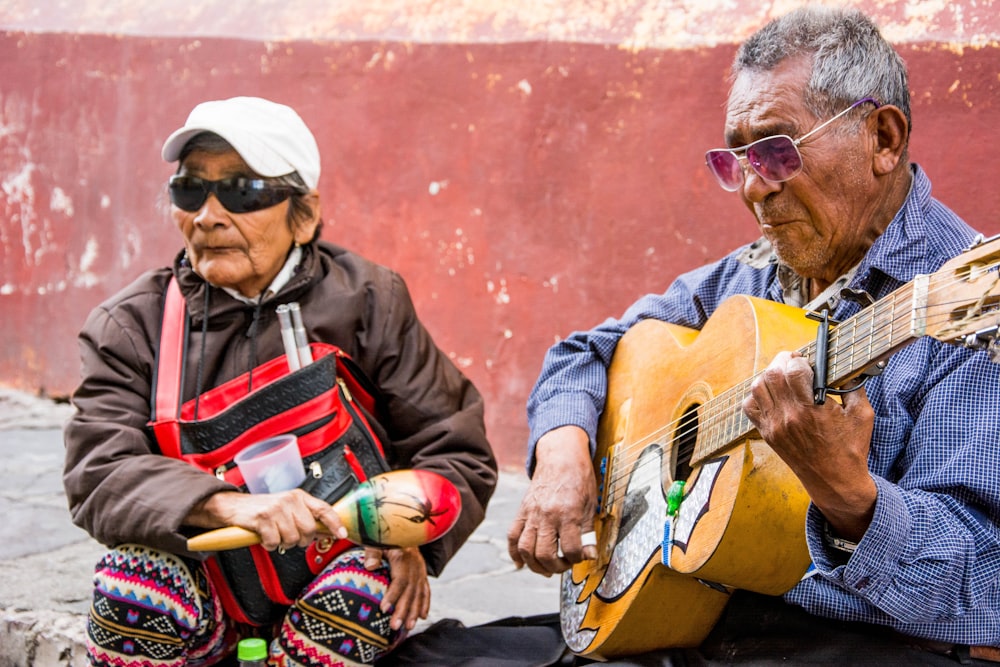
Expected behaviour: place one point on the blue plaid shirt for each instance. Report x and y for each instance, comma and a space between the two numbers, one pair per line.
929, 564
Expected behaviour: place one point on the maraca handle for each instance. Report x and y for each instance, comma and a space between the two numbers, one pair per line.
221, 539
401, 508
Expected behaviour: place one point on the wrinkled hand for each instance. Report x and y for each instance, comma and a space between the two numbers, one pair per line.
558, 506
826, 446
285, 519
409, 593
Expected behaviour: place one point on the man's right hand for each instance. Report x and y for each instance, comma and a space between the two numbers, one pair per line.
558, 507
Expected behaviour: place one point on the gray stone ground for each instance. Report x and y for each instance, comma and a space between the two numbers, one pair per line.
46, 562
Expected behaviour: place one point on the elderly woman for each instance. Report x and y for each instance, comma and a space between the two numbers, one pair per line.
139, 465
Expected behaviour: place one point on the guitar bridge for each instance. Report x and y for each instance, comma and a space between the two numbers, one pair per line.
605, 508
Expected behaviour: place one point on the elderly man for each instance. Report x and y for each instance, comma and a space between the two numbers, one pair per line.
901, 508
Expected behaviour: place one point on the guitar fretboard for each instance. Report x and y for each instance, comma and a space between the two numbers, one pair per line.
854, 345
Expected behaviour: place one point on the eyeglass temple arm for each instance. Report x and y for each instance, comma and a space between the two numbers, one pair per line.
830, 120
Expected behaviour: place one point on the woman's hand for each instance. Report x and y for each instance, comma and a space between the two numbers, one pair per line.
289, 519
409, 594
285, 519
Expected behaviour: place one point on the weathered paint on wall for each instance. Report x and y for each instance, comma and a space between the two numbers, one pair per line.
631, 24
524, 188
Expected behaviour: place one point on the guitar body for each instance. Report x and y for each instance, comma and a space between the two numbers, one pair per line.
741, 521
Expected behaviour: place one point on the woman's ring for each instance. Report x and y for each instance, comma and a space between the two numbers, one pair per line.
588, 539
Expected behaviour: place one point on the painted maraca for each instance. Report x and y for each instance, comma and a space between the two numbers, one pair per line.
400, 508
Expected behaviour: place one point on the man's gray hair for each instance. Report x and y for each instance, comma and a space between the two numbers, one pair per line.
850, 58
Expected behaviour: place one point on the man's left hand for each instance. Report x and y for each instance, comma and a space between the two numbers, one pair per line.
826, 446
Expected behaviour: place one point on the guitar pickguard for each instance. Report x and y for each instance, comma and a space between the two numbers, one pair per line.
573, 611
638, 543
696, 503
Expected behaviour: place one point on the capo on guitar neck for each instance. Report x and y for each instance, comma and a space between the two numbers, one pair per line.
820, 389
820, 386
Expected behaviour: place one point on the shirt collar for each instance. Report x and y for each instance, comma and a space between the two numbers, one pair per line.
795, 290
280, 280
901, 251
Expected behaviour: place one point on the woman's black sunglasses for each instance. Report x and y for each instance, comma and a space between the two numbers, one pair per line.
238, 194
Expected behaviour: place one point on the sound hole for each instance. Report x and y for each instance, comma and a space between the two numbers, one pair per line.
684, 440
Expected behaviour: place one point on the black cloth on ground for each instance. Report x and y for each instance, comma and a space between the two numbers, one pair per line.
756, 630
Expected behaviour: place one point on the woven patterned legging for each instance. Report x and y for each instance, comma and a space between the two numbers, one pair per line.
157, 609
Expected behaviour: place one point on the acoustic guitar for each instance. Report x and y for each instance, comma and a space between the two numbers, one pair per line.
674, 412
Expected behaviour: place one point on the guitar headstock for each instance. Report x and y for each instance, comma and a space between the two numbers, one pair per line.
961, 301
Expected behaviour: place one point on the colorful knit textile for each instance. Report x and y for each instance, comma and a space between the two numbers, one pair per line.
155, 609
337, 621
151, 609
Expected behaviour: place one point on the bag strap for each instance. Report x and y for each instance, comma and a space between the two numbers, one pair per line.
166, 403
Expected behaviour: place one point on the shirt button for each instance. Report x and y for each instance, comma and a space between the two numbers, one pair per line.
862, 583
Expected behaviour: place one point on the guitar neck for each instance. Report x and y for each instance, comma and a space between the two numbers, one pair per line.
853, 346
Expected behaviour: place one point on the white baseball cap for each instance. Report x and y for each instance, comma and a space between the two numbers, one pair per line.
270, 137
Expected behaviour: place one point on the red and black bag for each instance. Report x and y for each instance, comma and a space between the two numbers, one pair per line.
318, 403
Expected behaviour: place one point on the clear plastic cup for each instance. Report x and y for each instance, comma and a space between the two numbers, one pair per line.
272, 465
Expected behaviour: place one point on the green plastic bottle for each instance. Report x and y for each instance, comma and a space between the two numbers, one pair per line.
252, 652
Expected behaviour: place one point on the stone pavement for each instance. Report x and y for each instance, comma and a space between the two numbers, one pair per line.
46, 562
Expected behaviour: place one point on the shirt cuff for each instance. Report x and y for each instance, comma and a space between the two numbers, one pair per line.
872, 566
566, 409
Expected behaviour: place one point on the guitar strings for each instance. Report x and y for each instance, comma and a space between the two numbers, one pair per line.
863, 322
726, 398
871, 322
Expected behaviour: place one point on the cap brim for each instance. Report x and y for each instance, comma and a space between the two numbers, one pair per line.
267, 165
175, 143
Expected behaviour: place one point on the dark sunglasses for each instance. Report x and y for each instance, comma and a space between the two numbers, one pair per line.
775, 159
238, 194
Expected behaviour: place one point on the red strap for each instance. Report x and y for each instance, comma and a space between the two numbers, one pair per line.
229, 603
269, 580
355, 464
324, 549
167, 405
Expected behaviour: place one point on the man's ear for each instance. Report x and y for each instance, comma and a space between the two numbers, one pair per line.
305, 229
891, 133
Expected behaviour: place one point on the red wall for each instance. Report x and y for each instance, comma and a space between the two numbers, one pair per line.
523, 189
